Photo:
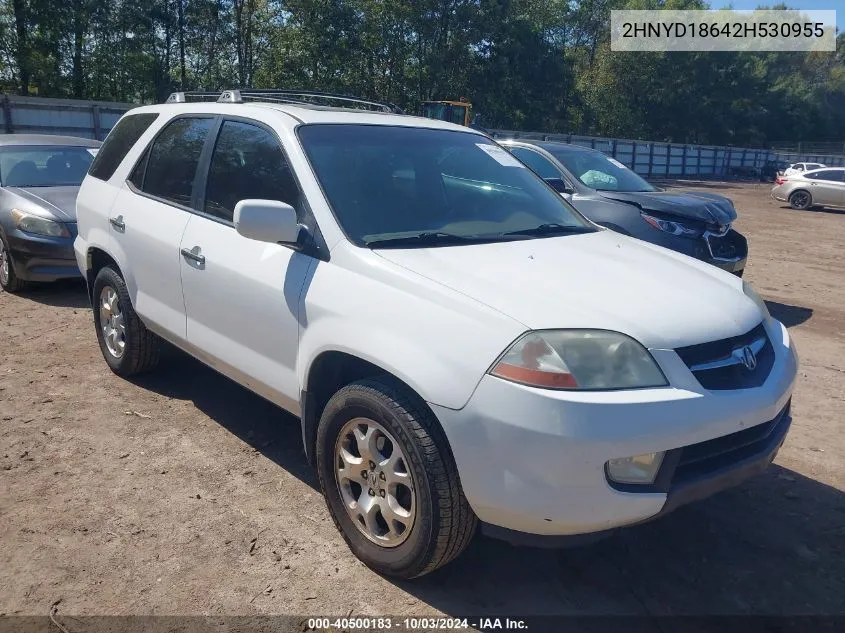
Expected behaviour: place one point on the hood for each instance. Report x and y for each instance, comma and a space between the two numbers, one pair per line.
710, 208
60, 201
600, 280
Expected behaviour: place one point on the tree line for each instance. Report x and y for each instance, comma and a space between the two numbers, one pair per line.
524, 64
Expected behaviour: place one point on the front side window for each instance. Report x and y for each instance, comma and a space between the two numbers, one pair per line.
600, 172
391, 185
173, 159
44, 166
247, 162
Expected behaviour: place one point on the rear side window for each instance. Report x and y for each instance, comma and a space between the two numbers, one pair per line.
247, 162
173, 159
835, 175
118, 143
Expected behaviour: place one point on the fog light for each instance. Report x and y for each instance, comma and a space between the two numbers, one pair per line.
639, 469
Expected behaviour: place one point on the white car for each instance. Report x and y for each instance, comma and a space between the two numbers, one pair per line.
462, 346
800, 168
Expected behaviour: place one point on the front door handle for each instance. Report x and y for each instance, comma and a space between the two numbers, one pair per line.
118, 223
193, 254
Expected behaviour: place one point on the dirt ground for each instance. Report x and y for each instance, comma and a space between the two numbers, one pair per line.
182, 493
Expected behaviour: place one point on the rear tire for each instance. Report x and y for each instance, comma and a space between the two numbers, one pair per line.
128, 347
800, 200
442, 523
9, 281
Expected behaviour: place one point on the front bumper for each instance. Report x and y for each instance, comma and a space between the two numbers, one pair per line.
40, 258
533, 461
728, 252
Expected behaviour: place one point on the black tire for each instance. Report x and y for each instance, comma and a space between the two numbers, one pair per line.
800, 200
9, 282
444, 523
142, 348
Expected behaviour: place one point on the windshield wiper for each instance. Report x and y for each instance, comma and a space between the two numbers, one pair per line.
551, 228
430, 238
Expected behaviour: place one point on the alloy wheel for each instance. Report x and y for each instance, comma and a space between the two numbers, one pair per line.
112, 322
4, 264
375, 483
800, 200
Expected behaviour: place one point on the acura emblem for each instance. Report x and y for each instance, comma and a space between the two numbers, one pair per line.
746, 356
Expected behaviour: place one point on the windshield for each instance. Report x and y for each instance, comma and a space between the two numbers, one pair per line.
44, 166
393, 183
600, 172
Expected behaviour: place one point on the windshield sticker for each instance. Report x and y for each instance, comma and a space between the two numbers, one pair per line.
500, 155
617, 163
93, 150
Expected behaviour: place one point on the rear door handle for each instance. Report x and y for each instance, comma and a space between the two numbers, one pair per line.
193, 254
118, 223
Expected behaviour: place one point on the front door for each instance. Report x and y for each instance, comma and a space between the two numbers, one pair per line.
241, 295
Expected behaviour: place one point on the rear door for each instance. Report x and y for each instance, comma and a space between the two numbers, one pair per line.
149, 217
828, 187
241, 295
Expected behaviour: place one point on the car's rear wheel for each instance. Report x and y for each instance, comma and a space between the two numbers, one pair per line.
800, 199
9, 281
127, 345
390, 480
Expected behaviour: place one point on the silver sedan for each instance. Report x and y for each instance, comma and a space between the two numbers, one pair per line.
820, 188
39, 179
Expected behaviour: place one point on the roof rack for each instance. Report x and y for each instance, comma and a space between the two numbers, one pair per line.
297, 97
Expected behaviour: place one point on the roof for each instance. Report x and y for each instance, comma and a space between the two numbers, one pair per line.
550, 146
307, 114
46, 139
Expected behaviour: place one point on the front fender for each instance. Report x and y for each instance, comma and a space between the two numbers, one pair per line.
436, 340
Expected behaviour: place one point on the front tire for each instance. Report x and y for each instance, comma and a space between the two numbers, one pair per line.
390, 481
128, 347
9, 281
800, 200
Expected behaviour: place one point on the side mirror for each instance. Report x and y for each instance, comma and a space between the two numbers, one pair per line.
559, 185
267, 221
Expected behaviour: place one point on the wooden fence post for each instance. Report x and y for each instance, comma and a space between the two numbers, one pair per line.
95, 117
7, 115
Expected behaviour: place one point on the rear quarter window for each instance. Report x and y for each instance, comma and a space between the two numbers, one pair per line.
118, 143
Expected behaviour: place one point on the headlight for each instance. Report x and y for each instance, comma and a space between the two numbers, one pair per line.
37, 225
672, 227
579, 359
749, 291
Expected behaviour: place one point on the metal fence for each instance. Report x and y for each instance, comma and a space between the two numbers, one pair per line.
94, 119
35, 115
677, 160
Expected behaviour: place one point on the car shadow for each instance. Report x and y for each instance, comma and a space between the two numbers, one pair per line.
65, 293
789, 315
827, 210
699, 184
269, 429
773, 545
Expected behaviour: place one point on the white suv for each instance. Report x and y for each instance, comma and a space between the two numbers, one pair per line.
461, 345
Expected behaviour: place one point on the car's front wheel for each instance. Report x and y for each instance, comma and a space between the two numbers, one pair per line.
127, 345
800, 200
9, 281
390, 480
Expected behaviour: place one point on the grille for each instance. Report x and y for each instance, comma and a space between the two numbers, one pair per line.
733, 376
705, 458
